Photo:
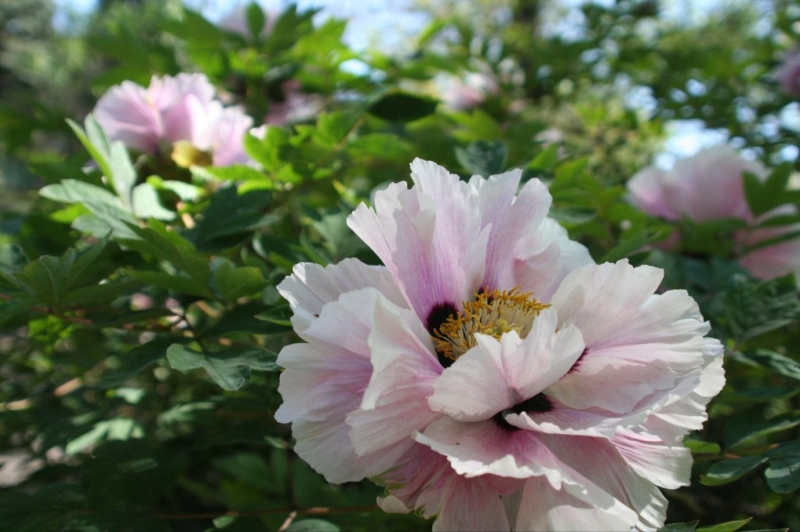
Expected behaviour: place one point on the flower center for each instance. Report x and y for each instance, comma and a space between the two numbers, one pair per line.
493, 313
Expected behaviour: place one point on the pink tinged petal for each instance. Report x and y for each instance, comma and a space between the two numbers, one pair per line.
774, 261
602, 300
603, 466
471, 505
561, 419
227, 137
514, 221
688, 413
183, 119
428, 237
648, 191
394, 404
547, 256
486, 448
325, 380
423, 480
125, 115
496, 375
637, 343
544, 508
311, 287
665, 466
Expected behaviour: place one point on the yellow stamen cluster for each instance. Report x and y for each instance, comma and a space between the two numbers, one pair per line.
492, 313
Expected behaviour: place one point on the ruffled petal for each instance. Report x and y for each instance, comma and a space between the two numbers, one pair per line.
637, 343
544, 508
672, 422
601, 464
496, 375
424, 481
486, 448
428, 237
394, 404
665, 466
126, 115
311, 287
325, 380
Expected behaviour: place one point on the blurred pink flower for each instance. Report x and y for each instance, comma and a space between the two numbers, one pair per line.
788, 73
471, 90
709, 186
490, 374
295, 107
173, 109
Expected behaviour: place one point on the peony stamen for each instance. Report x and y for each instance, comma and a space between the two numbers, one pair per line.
492, 312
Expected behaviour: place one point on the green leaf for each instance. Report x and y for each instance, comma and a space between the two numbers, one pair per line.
146, 204
730, 526
783, 471
230, 218
742, 430
171, 247
112, 158
98, 294
631, 244
763, 197
483, 158
234, 282
702, 447
547, 159
778, 363
136, 360
766, 393
229, 368
727, 471
178, 283
255, 19
312, 525
679, 527
399, 106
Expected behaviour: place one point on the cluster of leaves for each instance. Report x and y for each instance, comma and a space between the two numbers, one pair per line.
140, 317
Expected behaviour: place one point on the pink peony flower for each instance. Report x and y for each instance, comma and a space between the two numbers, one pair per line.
709, 186
470, 91
173, 109
491, 374
788, 73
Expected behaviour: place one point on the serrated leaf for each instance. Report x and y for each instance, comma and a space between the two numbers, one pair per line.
136, 360
229, 368
98, 294
233, 282
178, 283
146, 204
778, 363
727, 471
402, 107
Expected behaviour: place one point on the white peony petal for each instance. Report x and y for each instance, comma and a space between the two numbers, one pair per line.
311, 287
496, 375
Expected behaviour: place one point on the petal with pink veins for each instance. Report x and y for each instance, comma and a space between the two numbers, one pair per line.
496, 375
